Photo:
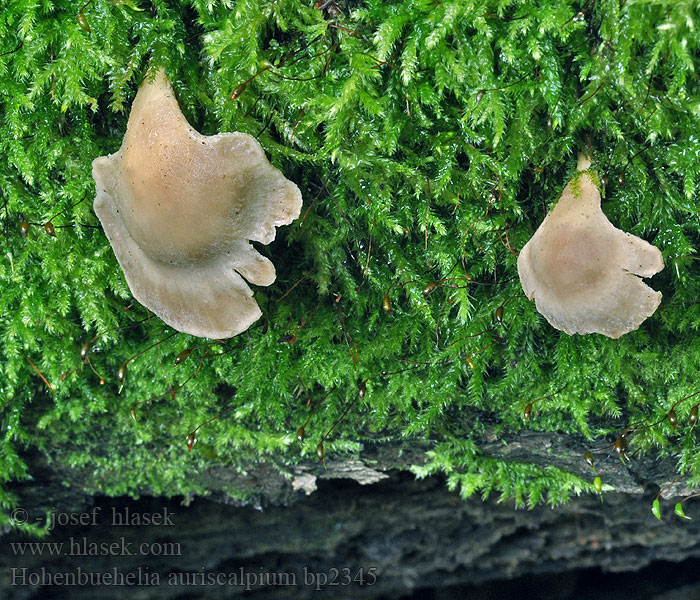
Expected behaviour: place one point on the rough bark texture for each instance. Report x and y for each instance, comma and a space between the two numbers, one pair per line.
354, 516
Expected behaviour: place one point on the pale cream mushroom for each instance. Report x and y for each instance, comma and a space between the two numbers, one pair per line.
179, 208
583, 273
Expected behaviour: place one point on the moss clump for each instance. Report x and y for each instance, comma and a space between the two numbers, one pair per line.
427, 139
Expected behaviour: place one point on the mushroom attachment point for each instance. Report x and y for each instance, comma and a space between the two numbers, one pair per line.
180, 209
583, 273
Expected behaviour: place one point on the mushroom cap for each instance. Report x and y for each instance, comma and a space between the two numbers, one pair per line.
583, 273
179, 208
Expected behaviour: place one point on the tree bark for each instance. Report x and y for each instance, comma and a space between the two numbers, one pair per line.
365, 519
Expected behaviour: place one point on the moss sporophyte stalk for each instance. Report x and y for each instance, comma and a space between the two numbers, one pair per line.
429, 141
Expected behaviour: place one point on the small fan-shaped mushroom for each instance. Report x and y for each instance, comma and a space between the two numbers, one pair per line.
583, 273
179, 208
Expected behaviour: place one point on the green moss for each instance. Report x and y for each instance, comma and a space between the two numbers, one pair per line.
426, 138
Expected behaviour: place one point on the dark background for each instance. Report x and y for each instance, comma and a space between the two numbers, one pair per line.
423, 540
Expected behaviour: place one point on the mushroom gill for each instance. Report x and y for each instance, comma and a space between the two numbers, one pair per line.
583, 273
179, 209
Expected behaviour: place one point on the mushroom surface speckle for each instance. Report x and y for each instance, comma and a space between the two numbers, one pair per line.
583, 273
179, 209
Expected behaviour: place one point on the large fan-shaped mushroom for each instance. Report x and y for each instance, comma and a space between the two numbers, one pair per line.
179, 208
583, 273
